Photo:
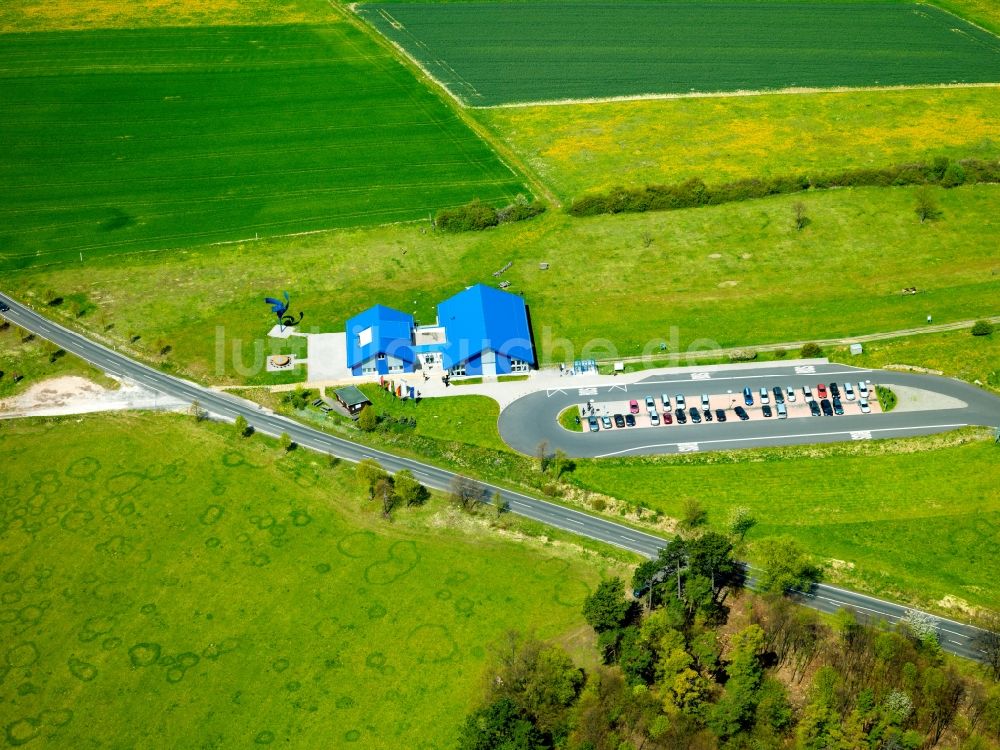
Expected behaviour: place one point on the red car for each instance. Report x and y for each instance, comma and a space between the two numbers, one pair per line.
667, 418
633, 406
821, 390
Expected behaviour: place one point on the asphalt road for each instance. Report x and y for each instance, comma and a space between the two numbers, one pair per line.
957, 638
532, 419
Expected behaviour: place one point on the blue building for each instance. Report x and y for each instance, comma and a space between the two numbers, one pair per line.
479, 331
380, 340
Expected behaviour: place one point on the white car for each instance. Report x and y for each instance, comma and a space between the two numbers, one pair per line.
654, 418
705, 404
666, 401
862, 390
764, 397
807, 392
848, 391
679, 400
782, 411
865, 408
791, 394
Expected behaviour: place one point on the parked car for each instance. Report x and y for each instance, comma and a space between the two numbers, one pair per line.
838, 408
681, 416
741, 413
695, 415
782, 410
862, 390
813, 408
654, 418
707, 414
705, 403
766, 410
834, 390
619, 421
592, 421
4, 307
807, 393
764, 397
650, 403
790, 394
606, 423
826, 407
720, 415
633, 406
666, 401
821, 391
678, 402
630, 420
748, 396
865, 408
779, 395
667, 418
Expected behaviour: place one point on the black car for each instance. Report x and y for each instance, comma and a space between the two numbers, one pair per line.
825, 406
813, 408
695, 415
766, 410
741, 413
630, 420
834, 390
681, 416
748, 396
838, 408
4, 307
707, 414
619, 421
720, 415
779, 395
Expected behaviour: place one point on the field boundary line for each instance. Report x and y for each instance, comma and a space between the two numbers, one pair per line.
963, 19
790, 91
506, 155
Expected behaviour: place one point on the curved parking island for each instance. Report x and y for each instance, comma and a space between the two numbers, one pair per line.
928, 404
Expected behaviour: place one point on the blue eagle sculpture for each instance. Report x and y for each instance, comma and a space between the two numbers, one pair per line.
279, 308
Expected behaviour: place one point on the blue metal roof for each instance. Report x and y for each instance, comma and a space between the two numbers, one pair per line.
392, 333
481, 318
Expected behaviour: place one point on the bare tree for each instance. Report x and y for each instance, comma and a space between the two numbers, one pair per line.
988, 642
799, 215
467, 493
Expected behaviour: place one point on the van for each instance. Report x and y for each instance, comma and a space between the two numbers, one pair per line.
704, 401
782, 410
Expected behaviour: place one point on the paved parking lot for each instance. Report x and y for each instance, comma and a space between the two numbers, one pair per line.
727, 401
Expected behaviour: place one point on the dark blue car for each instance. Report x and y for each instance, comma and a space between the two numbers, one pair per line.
748, 396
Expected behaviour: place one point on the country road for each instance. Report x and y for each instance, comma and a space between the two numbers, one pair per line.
956, 638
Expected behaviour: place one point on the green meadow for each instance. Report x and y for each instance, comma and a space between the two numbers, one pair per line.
137, 140
167, 584
491, 54
737, 274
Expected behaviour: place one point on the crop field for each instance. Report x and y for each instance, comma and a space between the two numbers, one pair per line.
140, 140
164, 584
576, 148
738, 274
490, 54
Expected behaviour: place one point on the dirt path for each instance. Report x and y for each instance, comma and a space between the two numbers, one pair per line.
76, 395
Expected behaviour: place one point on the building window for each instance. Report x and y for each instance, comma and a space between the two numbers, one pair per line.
518, 365
458, 370
367, 369
395, 368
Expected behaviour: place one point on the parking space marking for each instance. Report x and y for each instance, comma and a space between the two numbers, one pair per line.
551, 393
687, 447
805, 370
587, 392
701, 376
861, 435
782, 437
617, 388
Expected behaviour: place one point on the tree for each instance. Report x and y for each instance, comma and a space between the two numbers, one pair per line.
711, 556
942, 691
741, 520
242, 426
197, 413
467, 493
286, 442
735, 710
384, 491
810, 351
988, 641
926, 207
408, 489
953, 176
501, 505
607, 608
368, 474
799, 215
693, 516
982, 328
560, 464
368, 419
499, 725
786, 566
542, 456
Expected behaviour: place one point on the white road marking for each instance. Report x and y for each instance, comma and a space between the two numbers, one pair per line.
783, 436
687, 447
750, 376
805, 370
551, 393
587, 392
701, 376
861, 435
617, 388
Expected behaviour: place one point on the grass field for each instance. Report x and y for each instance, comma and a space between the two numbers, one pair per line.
737, 274
166, 585
581, 147
501, 53
122, 141
915, 520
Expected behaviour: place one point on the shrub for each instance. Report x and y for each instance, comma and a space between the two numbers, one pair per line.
743, 355
519, 211
810, 351
953, 176
982, 328
939, 166
472, 217
780, 353
368, 419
